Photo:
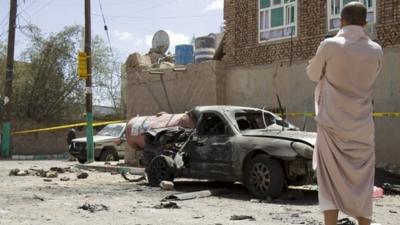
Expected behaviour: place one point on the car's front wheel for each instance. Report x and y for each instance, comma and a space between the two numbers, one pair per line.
264, 177
108, 155
81, 160
160, 168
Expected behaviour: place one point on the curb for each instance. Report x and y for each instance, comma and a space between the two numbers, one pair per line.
39, 157
112, 169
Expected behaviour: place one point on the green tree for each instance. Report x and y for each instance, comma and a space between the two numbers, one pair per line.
46, 86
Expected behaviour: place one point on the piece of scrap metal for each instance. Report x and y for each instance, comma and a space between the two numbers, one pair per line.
197, 194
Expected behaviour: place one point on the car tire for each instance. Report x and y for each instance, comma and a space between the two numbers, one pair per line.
264, 177
160, 168
81, 161
108, 155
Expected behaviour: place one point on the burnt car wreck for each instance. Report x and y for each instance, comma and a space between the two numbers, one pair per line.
229, 143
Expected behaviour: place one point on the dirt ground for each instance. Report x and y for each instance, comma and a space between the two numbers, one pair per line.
32, 200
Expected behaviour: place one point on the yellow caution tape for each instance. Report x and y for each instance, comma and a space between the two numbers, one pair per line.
311, 114
293, 114
67, 126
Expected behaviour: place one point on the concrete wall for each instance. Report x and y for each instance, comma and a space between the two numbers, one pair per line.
259, 85
48, 142
196, 85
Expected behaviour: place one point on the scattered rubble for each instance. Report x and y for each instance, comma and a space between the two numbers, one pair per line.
51, 174
167, 185
64, 179
197, 194
391, 188
38, 198
242, 217
167, 205
82, 175
18, 172
94, 207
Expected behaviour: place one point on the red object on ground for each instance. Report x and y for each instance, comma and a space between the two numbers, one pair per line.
377, 193
137, 126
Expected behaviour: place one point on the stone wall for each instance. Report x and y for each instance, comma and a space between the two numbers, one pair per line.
174, 91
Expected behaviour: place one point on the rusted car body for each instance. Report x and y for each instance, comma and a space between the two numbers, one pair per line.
232, 143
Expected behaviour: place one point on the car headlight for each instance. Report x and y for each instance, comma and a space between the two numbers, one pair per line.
97, 145
303, 149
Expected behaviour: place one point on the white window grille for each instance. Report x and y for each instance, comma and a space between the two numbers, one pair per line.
277, 19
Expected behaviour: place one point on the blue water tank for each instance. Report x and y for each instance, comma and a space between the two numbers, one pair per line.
183, 54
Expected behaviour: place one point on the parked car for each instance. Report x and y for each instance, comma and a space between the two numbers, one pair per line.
109, 144
231, 143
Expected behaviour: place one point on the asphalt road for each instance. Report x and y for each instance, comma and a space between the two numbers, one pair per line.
32, 200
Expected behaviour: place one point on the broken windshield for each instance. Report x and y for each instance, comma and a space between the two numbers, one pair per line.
253, 120
113, 130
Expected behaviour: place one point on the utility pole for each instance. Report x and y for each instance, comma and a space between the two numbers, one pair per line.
88, 91
6, 134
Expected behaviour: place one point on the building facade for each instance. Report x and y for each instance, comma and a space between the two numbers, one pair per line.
265, 31
268, 44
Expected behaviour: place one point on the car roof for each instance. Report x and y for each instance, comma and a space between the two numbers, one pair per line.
222, 108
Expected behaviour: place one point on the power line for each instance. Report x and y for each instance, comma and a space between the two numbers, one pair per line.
163, 17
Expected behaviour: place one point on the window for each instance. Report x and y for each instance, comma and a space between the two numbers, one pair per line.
210, 124
335, 6
277, 19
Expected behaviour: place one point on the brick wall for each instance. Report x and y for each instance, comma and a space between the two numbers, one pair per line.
241, 25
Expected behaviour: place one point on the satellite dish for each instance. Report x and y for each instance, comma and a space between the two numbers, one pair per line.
160, 42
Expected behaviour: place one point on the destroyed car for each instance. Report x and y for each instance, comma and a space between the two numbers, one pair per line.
109, 144
235, 144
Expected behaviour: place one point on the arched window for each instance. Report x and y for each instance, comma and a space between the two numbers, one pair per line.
277, 19
335, 6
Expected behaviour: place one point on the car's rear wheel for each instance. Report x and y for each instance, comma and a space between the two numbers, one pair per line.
108, 155
264, 177
160, 168
81, 161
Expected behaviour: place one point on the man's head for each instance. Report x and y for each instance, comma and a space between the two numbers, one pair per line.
353, 13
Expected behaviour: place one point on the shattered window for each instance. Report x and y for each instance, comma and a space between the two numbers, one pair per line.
277, 19
253, 120
335, 7
210, 124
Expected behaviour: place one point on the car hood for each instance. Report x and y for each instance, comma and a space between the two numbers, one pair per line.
96, 139
302, 136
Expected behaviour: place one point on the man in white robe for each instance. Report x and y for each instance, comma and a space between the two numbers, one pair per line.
345, 67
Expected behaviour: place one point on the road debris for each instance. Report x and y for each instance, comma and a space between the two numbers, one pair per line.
51, 174
64, 179
94, 207
345, 221
47, 180
137, 179
391, 188
60, 169
197, 194
292, 217
18, 172
254, 200
38, 197
167, 185
392, 211
167, 205
82, 175
242, 217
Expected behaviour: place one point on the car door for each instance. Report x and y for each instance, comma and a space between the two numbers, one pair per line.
211, 149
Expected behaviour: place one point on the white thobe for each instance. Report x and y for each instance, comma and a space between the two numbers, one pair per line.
345, 67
